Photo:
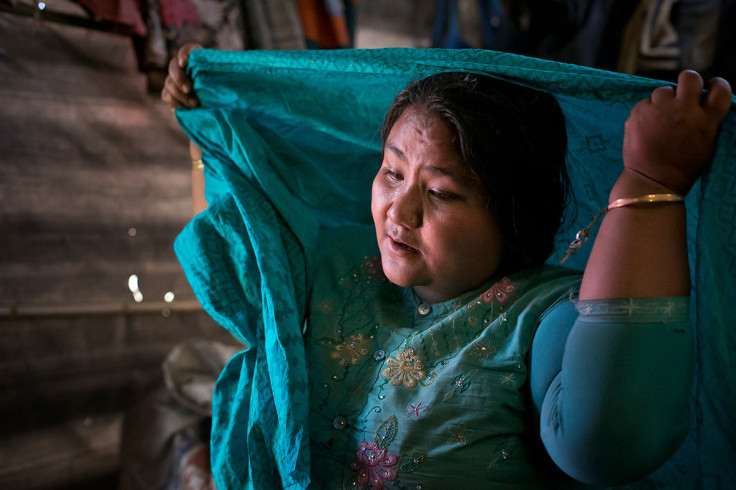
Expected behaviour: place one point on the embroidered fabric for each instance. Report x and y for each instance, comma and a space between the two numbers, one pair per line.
635, 309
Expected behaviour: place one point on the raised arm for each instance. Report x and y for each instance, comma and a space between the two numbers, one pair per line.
613, 389
640, 250
178, 91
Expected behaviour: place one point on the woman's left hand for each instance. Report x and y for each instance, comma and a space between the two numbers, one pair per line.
178, 90
670, 137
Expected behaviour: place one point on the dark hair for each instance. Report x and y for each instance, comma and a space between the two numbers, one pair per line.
514, 139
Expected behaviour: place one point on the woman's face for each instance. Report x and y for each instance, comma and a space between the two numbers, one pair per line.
434, 229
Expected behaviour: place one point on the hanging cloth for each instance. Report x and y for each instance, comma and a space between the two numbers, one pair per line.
291, 143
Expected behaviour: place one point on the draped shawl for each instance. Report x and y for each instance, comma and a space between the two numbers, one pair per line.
291, 143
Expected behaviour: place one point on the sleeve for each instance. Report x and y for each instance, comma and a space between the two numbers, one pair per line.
612, 386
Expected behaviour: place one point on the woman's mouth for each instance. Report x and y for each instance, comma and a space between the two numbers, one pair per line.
400, 248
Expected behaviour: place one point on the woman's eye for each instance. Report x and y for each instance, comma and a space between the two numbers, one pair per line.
440, 195
391, 174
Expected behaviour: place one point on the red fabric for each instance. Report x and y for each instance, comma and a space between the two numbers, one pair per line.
179, 13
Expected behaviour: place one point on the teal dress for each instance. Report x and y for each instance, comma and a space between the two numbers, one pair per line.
410, 395
291, 145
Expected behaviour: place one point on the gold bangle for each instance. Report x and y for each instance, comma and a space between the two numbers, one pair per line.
197, 164
647, 198
582, 236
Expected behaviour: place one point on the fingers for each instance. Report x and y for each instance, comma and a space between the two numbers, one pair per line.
689, 92
182, 59
718, 101
183, 55
177, 91
173, 95
689, 87
662, 94
179, 77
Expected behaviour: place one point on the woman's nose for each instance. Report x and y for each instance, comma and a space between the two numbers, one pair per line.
406, 208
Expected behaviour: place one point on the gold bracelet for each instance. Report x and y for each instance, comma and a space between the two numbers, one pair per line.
582, 236
647, 198
197, 164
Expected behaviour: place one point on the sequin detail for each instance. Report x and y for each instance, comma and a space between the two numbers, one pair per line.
414, 410
503, 452
482, 349
351, 351
374, 465
457, 434
406, 368
459, 384
500, 292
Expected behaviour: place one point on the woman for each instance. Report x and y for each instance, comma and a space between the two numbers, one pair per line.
438, 375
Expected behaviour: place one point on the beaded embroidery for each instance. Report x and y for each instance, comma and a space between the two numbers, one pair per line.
414, 410
351, 351
459, 384
499, 292
482, 349
503, 452
406, 368
457, 434
373, 463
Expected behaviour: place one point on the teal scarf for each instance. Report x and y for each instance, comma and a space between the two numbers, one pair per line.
291, 143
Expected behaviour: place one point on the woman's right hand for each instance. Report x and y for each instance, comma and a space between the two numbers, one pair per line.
178, 89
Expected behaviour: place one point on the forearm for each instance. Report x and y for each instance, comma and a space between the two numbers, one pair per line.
199, 203
640, 250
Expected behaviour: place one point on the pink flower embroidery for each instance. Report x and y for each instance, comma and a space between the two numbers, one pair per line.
499, 292
373, 465
413, 410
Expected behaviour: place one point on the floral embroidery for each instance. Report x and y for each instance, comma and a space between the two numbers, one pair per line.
413, 410
508, 378
503, 452
459, 384
499, 292
351, 351
373, 267
482, 349
373, 463
457, 434
407, 368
